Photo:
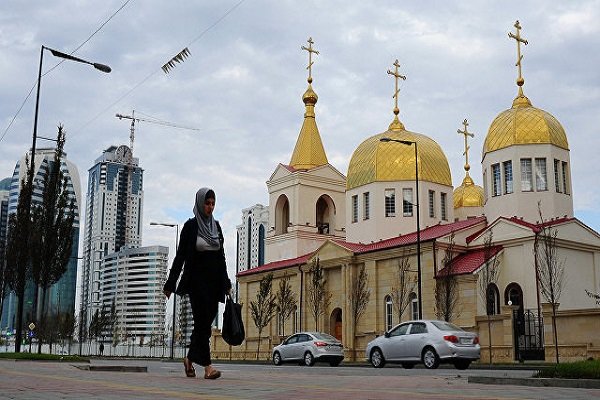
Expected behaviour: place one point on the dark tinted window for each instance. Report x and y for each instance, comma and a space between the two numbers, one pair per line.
292, 339
418, 327
399, 330
446, 326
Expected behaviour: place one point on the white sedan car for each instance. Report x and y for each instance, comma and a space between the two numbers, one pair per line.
309, 347
428, 341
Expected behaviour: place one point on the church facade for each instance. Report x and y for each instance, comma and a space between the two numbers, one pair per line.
396, 224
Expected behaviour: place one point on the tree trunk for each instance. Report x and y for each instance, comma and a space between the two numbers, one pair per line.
19, 323
554, 332
489, 337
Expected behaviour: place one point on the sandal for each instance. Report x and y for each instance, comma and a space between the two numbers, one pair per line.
190, 372
215, 373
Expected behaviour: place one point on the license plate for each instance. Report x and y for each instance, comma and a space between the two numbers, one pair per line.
466, 341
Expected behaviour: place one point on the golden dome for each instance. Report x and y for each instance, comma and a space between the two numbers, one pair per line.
524, 124
376, 161
468, 194
309, 151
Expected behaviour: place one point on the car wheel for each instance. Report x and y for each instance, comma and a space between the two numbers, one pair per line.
430, 358
335, 363
377, 359
309, 360
462, 364
408, 365
277, 358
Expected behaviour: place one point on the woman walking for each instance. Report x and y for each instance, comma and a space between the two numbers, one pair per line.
204, 279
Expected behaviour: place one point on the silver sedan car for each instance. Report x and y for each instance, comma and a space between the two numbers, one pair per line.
309, 347
428, 341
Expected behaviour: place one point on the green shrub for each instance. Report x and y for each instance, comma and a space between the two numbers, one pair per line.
576, 370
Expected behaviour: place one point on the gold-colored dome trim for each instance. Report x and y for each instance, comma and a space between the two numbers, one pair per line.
309, 151
374, 161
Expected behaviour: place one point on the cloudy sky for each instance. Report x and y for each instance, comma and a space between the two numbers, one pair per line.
241, 86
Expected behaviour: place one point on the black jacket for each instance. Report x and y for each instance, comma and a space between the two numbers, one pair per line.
204, 272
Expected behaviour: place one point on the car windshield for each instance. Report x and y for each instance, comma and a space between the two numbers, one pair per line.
324, 336
445, 326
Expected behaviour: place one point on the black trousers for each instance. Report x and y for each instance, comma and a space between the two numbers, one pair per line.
204, 312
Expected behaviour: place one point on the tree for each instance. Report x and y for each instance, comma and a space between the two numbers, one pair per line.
488, 276
263, 309
318, 297
18, 265
360, 296
52, 238
66, 327
285, 300
403, 286
446, 286
550, 269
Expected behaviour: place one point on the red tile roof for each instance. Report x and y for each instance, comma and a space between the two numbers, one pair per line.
275, 265
519, 221
427, 234
469, 262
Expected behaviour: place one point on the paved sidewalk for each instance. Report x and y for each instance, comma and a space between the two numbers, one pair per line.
165, 380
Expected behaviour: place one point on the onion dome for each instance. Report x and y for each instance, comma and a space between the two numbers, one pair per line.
468, 194
376, 161
523, 123
309, 151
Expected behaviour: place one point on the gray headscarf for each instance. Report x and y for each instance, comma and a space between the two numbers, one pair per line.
207, 226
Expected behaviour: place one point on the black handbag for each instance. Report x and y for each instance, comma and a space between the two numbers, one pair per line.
233, 327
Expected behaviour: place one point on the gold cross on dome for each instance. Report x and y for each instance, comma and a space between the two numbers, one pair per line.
466, 134
396, 76
519, 40
310, 53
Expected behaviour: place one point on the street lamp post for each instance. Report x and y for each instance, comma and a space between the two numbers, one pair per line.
409, 143
170, 225
28, 201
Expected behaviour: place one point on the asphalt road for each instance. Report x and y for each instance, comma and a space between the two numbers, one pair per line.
165, 380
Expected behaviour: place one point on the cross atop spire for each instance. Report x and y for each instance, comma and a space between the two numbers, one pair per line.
310, 51
519, 40
396, 124
466, 134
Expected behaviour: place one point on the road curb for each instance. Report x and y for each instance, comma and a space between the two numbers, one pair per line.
112, 368
537, 382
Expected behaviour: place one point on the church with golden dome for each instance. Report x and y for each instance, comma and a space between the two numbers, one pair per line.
393, 240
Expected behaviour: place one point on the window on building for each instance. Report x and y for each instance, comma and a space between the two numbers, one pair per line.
443, 206
541, 176
496, 180
432, 204
557, 176
492, 299
389, 313
366, 205
280, 325
565, 177
526, 175
390, 202
355, 208
508, 177
485, 185
296, 316
407, 203
414, 306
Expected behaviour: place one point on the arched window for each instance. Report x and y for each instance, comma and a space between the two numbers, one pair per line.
414, 306
514, 294
492, 299
282, 215
389, 312
325, 211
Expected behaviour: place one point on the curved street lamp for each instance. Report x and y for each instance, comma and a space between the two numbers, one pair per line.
409, 143
28, 201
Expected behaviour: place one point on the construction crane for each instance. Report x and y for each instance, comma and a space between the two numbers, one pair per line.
129, 159
151, 120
